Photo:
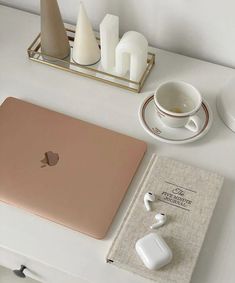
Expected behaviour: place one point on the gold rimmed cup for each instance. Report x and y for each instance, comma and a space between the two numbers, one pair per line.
177, 103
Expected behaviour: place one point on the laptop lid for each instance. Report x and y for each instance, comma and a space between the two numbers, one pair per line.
66, 170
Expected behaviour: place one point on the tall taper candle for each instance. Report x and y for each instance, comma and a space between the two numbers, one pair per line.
54, 39
109, 38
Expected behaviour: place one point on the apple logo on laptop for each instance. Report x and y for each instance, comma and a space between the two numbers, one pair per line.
51, 158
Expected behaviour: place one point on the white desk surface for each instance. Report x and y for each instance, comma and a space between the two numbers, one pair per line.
116, 109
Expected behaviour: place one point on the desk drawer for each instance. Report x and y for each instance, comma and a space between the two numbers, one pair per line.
34, 269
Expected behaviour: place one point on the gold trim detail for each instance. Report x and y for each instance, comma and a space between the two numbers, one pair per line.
159, 133
93, 72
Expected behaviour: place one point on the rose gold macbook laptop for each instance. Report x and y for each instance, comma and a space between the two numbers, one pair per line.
63, 169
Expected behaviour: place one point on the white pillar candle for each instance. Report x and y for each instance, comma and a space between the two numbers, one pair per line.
131, 54
109, 38
85, 50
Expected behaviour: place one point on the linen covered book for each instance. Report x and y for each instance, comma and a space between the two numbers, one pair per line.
188, 196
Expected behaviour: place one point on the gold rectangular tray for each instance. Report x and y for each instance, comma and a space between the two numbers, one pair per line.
94, 72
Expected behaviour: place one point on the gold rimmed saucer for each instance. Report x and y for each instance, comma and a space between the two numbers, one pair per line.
153, 125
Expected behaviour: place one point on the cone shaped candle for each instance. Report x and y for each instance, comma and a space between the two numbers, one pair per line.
85, 50
54, 39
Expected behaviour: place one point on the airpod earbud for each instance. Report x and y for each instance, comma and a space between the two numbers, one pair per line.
161, 220
149, 197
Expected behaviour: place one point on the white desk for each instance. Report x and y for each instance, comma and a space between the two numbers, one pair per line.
111, 107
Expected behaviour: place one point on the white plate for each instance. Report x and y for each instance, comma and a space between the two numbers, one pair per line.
153, 125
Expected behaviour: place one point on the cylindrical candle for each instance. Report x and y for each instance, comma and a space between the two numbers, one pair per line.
131, 54
109, 38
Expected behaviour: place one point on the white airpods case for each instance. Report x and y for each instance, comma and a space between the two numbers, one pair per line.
153, 251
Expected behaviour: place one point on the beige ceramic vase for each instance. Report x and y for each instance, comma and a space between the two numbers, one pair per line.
54, 40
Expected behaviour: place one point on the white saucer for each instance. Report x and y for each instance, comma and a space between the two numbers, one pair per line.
153, 125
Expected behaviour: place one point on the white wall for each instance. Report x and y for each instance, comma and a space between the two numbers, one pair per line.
199, 28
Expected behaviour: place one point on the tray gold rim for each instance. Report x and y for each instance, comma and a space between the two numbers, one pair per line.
139, 84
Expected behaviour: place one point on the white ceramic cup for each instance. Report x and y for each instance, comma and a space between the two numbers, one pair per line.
177, 103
